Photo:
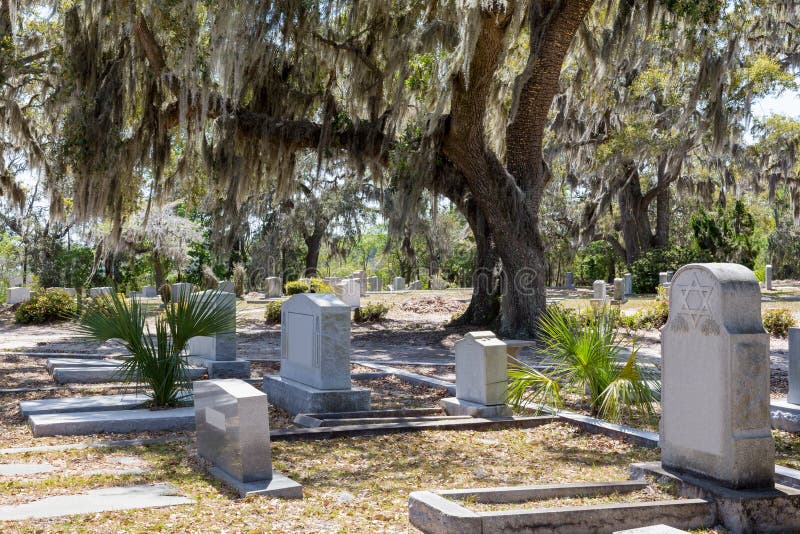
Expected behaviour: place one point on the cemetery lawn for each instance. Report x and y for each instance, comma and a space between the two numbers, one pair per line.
358, 484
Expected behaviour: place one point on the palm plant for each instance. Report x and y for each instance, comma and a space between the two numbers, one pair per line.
157, 362
586, 361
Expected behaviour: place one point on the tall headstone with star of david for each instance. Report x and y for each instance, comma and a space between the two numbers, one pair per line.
715, 378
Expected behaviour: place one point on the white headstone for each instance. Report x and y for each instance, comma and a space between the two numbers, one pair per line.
16, 295
96, 292
399, 283
149, 292
619, 289
663, 278
599, 288
233, 428
273, 287
768, 277
221, 347
481, 369
315, 341
715, 378
349, 292
794, 366
361, 276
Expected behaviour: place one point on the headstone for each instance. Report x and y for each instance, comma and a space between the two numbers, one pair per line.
374, 283
768, 277
619, 290
569, 280
226, 286
181, 289
481, 377
68, 290
315, 358
149, 292
221, 347
273, 287
663, 278
794, 366
134, 295
16, 295
628, 283
399, 283
361, 276
349, 292
97, 292
438, 283
715, 378
599, 289
670, 274
233, 433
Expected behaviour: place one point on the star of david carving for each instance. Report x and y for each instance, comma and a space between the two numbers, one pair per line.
695, 299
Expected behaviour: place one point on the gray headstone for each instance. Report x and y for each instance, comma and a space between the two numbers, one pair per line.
16, 295
599, 288
361, 276
226, 286
221, 347
179, 289
273, 287
149, 292
96, 292
570, 280
628, 283
315, 341
374, 283
670, 274
715, 378
481, 368
349, 292
663, 278
233, 428
768, 277
794, 366
399, 283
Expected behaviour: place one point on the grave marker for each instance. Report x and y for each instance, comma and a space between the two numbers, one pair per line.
17, 295
794, 366
399, 283
273, 287
768, 277
349, 292
570, 280
218, 353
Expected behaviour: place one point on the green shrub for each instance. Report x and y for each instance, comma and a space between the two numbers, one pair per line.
273, 312
373, 312
646, 268
777, 321
297, 286
653, 315
318, 285
165, 291
47, 306
239, 279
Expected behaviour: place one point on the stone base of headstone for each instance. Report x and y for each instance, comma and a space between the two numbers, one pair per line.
754, 510
278, 486
224, 368
597, 303
295, 397
456, 406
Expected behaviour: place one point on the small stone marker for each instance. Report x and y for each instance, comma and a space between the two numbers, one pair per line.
373, 283
398, 283
361, 276
794, 366
619, 290
315, 358
349, 292
149, 292
17, 295
628, 283
715, 378
663, 279
768, 277
226, 286
273, 287
233, 433
481, 377
179, 289
598, 294
218, 353
97, 292
416, 285
569, 280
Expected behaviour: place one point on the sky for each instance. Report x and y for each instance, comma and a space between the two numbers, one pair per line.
788, 103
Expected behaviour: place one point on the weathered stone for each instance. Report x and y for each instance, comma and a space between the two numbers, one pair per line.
663, 278
438, 283
794, 366
97, 292
94, 501
295, 397
25, 469
98, 375
273, 287
619, 290
149, 292
715, 376
84, 423
361, 277
569, 280
398, 283
94, 403
374, 283
181, 288
599, 290
768, 277
416, 285
670, 274
223, 368
54, 363
226, 286
628, 283
349, 292
17, 295
221, 347
784, 416
654, 529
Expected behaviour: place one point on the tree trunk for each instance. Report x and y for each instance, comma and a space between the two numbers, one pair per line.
158, 269
314, 244
634, 222
663, 215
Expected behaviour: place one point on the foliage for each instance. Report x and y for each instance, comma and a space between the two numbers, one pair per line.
165, 291
586, 363
296, 286
645, 269
651, 316
777, 321
157, 361
728, 234
784, 250
46, 306
210, 280
272, 314
594, 262
239, 279
318, 285
374, 312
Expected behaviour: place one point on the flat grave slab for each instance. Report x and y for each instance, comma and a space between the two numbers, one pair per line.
94, 501
25, 469
653, 529
53, 363
119, 421
784, 415
95, 403
99, 375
